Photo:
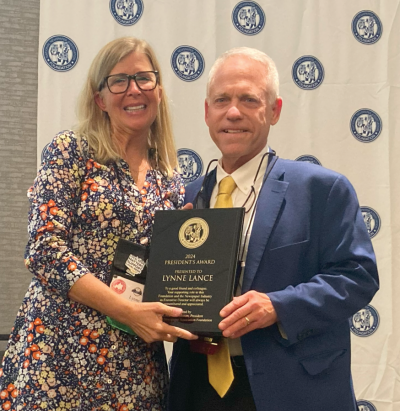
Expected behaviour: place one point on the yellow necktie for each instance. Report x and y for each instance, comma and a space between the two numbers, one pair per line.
224, 197
220, 373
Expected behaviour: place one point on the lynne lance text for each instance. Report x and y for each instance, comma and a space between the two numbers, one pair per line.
188, 277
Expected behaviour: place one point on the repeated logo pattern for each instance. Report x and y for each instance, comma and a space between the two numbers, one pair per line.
365, 322
187, 63
190, 165
366, 125
371, 220
308, 158
308, 72
248, 17
126, 12
365, 406
60, 53
366, 27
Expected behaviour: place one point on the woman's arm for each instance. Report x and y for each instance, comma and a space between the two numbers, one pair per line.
146, 319
50, 255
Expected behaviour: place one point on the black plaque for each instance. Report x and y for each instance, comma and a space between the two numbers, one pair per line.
193, 263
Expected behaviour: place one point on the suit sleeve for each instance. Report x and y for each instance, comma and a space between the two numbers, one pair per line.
347, 278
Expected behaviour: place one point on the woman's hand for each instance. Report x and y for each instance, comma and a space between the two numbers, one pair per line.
147, 322
145, 319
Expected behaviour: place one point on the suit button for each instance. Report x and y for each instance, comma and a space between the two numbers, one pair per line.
304, 334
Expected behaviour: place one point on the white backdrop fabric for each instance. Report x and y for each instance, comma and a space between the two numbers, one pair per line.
339, 65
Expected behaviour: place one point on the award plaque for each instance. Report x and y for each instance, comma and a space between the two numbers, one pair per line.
192, 264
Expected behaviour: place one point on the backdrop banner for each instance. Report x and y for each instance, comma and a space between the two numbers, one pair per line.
339, 65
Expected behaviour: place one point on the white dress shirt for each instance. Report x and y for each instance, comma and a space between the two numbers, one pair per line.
244, 179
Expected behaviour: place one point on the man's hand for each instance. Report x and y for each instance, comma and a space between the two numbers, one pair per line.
187, 206
246, 313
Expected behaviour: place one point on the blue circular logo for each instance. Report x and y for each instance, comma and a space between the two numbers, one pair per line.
126, 12
371, 220
248, 17
187, 63
190, 164
365, 406
60, 53
308, 158
308, 72
366, 27
365, 322
365, 125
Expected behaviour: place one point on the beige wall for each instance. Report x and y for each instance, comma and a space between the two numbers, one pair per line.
19, 33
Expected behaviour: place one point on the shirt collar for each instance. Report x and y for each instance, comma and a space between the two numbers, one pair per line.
245, 174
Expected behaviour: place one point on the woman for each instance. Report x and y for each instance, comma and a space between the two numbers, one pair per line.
95, 185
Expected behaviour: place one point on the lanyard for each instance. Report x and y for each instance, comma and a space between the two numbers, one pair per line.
199, 202
241, 263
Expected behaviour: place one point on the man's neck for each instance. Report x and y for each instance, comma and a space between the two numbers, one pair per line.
231, 164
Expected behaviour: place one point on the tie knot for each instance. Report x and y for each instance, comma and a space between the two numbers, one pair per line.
226, 186
225, 190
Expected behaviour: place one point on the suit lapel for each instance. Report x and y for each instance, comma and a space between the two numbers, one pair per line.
269, 204
204, 195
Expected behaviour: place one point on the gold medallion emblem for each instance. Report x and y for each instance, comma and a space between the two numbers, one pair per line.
193, 232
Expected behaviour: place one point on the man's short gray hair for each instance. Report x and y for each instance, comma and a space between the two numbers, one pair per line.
272, 76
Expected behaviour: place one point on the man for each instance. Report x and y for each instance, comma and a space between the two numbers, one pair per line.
309, 260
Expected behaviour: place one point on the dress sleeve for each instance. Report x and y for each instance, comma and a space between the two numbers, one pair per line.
54, 198
177, 191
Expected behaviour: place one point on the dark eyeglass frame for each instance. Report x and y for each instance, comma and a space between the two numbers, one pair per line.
130, 77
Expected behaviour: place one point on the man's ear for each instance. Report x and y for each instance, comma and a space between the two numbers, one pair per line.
276, 111
206, 111
98, 99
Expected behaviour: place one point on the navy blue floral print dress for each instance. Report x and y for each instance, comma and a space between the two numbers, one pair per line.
63, 355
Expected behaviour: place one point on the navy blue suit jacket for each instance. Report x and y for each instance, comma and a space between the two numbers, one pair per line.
311, 253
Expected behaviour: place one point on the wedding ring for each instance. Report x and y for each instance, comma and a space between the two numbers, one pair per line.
247, 321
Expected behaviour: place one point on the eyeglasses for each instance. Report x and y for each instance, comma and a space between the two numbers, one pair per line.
119, 83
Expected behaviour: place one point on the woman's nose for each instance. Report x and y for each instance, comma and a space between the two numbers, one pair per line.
133, 87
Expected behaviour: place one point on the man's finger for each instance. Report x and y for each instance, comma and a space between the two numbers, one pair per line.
236, 303
237, 316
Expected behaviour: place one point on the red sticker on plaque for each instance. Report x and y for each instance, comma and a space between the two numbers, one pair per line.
118, 286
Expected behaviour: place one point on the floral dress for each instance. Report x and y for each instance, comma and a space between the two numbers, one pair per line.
63, 355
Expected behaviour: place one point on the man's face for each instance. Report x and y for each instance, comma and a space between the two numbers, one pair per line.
238, 111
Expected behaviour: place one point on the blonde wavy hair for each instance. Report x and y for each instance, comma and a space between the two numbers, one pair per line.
95, 124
